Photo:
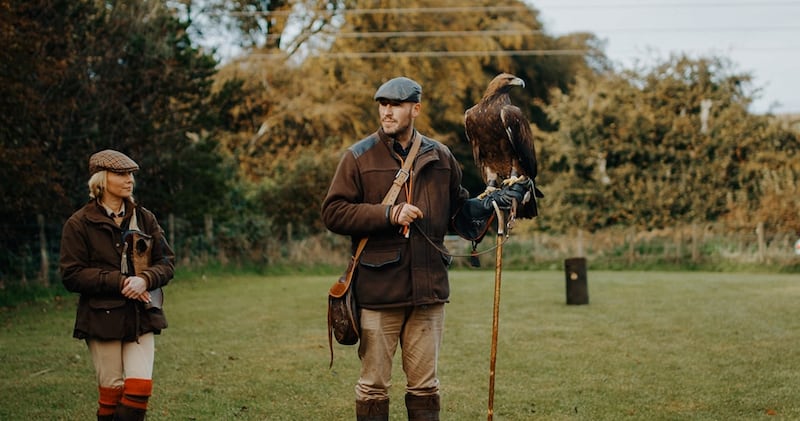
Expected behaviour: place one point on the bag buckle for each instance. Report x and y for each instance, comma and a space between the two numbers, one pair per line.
402, 176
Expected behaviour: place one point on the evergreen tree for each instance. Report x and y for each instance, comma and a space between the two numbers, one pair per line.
652, 148
82, 76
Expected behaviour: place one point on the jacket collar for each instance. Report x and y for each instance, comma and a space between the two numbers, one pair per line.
96, 212
427, 143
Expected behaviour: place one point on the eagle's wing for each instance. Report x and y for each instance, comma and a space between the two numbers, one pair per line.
521, 138
470, 127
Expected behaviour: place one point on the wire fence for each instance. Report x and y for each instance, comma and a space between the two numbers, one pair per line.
691, 247
34, 261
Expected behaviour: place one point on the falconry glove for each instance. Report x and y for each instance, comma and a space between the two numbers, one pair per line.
522, 191
473, 220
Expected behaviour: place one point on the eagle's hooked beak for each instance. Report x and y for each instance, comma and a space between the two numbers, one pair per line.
517, 81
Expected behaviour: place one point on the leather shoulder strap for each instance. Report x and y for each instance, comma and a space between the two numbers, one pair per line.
404, 173
399, 179
339, 288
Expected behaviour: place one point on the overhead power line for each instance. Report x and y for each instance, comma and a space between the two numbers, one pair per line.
703, 29
623, 5
387, 54
502, 9
436, 34
381, 11
430, 34
449, 34
452, 54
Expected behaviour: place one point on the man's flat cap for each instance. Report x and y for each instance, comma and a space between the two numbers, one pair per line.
111, 160
400, 89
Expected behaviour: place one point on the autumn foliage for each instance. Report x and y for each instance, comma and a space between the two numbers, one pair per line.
254, 141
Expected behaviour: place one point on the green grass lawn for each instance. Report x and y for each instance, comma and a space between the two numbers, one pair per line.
649, 346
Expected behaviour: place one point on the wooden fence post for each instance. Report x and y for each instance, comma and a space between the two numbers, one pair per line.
695, 243
762, 244
209, 235
44, 276
209, 228
171, 222
631, 245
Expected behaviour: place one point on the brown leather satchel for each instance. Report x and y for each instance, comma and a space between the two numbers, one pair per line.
343, 319
342, 307
142, 245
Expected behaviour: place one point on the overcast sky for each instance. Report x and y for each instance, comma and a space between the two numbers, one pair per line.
761, 37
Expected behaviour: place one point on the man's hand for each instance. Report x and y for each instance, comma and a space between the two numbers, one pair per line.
404, 214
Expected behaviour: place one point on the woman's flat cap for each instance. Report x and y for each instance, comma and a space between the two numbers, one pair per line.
111, 160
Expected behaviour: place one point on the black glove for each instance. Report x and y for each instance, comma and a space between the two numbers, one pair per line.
521, 191
472, 220
481, 208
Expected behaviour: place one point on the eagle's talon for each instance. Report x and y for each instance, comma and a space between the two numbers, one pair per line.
486, 192
515, 179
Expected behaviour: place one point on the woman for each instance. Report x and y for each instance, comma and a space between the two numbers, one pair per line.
115, 255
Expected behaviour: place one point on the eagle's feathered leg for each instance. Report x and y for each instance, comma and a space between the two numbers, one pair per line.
491, 183
514, 177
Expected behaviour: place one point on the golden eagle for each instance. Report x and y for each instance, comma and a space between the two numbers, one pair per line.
502, 141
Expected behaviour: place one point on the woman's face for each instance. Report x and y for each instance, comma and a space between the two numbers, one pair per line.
119, 185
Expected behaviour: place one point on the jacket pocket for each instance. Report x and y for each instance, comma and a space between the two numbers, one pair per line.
382, 277
106, 318
378, 258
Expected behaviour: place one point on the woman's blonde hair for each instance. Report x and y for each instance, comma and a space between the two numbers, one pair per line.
97, 185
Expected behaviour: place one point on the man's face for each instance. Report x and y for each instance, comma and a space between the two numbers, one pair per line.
397, 117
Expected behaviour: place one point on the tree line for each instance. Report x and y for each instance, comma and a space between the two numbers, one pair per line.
253, 141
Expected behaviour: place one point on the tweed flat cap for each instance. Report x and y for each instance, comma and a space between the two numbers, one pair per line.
111, 160
400, 89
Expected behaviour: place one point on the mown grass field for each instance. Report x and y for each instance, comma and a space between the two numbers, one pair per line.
649, 346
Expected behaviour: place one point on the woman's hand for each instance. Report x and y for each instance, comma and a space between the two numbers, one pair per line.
135, 288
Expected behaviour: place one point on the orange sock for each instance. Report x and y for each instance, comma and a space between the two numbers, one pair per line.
109, 398
137, 392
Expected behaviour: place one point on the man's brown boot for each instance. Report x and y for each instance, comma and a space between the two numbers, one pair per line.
422, 408
372, 410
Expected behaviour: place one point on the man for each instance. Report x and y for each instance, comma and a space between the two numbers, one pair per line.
402, 282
